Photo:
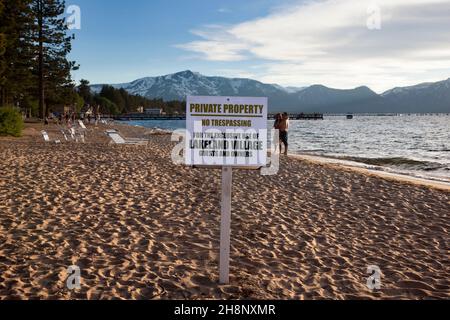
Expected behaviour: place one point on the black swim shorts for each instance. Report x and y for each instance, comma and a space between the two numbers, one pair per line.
284, 137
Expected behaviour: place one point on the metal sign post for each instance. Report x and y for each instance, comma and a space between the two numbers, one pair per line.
225, 225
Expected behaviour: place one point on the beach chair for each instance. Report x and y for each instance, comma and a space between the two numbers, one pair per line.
82, 125
118, 139
78, 135
64, 135
109, 131
83, 136
47, 138
73, 133
82, 130
63, 132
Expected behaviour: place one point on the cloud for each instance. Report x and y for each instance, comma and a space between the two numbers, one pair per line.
328, 42
219, 44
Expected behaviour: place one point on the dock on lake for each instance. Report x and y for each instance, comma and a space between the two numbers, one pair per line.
144, 117
302, 116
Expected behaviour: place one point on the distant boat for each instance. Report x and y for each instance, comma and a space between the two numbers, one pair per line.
349, 116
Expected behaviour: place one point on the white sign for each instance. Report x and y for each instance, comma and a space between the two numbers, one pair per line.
226, 131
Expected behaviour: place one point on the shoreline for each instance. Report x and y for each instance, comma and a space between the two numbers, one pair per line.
361, 167
366, 169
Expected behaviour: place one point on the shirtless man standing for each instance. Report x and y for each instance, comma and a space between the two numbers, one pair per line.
282, 124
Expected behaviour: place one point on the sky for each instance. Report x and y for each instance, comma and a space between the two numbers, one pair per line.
338, 43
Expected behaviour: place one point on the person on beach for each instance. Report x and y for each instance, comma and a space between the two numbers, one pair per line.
283, 125
278, 118
276, 126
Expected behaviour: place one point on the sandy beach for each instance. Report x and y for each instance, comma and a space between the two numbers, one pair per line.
140, 227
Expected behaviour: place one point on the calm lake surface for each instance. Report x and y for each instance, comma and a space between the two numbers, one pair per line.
416, 145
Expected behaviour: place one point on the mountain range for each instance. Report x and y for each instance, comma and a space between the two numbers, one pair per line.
422, 98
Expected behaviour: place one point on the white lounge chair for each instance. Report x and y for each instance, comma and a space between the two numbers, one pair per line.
47, 138
72, 133
64, 135
82, 136
77, 135
82, 125
82, 130
118, 139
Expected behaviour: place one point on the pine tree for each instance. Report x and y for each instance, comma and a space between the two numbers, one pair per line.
2, 46
114, 96
85, 92
53, 44
15, 70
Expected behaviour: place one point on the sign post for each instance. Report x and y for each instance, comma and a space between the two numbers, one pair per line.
225, 225
226, 132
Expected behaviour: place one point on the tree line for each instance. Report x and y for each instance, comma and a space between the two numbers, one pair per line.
115, 101
35, 71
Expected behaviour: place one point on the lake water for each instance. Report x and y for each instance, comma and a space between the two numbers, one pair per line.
416, 145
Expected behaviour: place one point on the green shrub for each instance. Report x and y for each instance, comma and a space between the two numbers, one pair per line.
11, 122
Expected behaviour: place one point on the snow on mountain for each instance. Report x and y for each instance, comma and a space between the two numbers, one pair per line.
179, 85
294, 89
426, 97
422, 86
403, 90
